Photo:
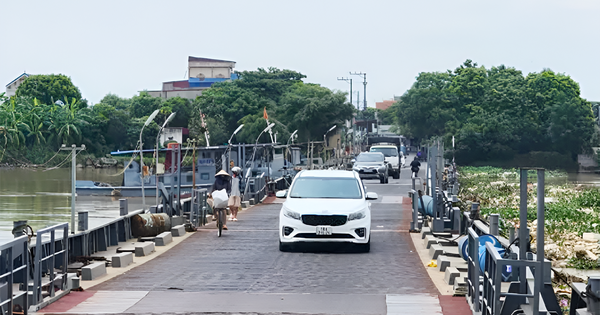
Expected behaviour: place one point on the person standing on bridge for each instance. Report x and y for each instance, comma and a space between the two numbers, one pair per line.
414, 166
235, 198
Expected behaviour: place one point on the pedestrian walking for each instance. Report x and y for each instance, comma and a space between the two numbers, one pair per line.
414, 166
235, 199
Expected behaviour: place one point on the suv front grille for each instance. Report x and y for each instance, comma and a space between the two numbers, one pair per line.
332, 220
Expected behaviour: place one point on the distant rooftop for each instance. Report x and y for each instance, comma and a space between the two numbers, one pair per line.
201, 59
15, 80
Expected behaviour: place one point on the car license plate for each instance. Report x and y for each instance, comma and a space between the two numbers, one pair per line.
324, 230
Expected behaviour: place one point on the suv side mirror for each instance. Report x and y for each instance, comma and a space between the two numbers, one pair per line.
371, 196
353, 160
281, 194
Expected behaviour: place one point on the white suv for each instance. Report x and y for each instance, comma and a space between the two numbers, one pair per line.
392, 156
328, 206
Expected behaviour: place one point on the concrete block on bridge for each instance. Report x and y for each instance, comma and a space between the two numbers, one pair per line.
245, 204
450, 275
122, 260
429, 240
435, 250
444, 262
93, 271
144, 249
73, 281
163, 239
177, 220
425, 231
178, 230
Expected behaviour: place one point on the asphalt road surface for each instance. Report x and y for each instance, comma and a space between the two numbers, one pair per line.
243, 272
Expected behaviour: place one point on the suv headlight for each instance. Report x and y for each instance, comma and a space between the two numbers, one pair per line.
291, 214
357, 215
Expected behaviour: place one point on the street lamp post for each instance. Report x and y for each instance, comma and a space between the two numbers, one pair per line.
229, 144
150, 119
253, 154
73, 149
292, 136
156, 152
288, 145
325, 138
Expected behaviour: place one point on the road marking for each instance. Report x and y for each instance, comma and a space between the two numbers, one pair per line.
109, 302
422, 304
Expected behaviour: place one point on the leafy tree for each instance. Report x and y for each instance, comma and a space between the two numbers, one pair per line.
50, 88
389, 115
271, 83
227, 104
144, 105
182, 106
116, 101
313, 109
67, 121
498, 113
428, 106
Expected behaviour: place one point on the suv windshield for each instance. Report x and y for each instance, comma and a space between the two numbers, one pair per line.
369, 158
320, 187
387, 152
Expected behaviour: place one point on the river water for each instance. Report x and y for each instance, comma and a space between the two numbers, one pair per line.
43, 198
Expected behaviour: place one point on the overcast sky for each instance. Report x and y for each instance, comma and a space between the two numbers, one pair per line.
123, 47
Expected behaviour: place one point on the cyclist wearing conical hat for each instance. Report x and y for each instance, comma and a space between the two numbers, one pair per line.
222, 181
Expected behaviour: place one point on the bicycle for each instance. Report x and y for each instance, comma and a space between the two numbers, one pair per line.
221, 219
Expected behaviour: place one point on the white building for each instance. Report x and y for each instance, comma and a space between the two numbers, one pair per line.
172, 134
11, 88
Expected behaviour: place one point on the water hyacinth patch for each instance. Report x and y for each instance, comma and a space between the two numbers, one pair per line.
570, 210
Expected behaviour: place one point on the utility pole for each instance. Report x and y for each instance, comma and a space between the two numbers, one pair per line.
347, 80
73, 149
365, 84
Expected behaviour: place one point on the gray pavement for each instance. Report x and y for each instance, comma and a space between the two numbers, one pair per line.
244, 271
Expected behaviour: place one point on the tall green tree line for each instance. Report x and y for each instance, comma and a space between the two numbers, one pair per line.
48, 111
498, 113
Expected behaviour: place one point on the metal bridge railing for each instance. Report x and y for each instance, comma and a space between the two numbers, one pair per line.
14, 274
257, 188
495, 265
198, 208
50, 255
473, 280
86, 243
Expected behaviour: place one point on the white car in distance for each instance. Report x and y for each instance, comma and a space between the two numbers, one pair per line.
328, 206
